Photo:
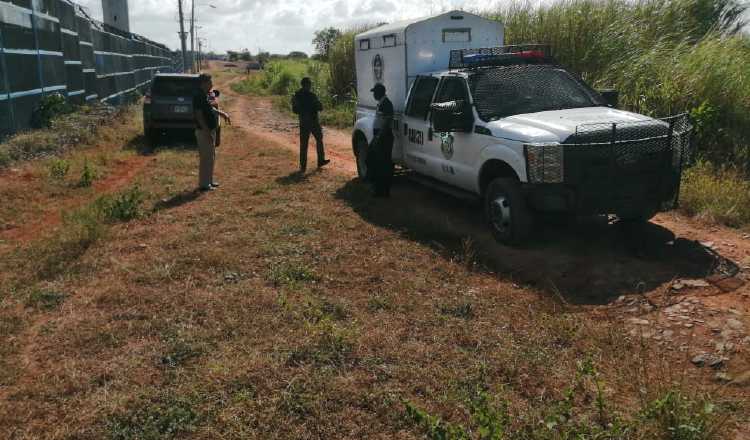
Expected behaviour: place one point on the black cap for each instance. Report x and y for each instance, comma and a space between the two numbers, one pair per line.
377, 87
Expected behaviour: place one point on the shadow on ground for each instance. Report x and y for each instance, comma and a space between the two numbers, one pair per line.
180, 199
587, 261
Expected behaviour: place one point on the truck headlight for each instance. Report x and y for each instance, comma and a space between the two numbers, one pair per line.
544, 163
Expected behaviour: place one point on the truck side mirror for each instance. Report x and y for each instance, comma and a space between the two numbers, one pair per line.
452, 116
611, 97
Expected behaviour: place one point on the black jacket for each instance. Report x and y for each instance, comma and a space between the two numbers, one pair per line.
307, 105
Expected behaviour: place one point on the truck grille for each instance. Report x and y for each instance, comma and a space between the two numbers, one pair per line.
616, 166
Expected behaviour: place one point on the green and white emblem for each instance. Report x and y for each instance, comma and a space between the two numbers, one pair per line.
446, 145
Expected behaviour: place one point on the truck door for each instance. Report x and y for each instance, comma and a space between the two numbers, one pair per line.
456, 150
415, 130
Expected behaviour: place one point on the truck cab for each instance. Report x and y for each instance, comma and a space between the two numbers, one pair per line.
510, 126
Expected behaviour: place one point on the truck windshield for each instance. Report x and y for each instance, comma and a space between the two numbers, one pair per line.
516, 90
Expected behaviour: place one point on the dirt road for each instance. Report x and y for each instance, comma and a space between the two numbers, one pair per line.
679, 281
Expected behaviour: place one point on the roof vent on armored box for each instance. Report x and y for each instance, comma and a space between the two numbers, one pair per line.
457, 17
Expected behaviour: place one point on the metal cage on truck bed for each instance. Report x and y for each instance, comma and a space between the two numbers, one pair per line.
616, 167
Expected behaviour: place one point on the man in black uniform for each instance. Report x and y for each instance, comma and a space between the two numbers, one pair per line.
381, 148
307, 105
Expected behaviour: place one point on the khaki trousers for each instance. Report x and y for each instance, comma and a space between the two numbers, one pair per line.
207, 156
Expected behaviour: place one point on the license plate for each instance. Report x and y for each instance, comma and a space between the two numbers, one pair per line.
181, 109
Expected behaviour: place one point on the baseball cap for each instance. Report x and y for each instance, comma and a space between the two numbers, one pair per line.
378, 86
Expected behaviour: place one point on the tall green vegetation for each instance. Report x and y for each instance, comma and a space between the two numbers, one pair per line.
664, 56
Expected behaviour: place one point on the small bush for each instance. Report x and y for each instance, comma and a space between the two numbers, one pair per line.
123, 207
50, 107
58, 169
87, 175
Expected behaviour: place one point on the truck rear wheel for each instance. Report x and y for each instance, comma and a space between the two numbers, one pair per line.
360, 153
506, 212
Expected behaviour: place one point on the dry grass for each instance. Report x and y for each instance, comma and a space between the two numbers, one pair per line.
272, 309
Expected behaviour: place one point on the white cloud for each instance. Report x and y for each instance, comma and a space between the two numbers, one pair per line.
276, 26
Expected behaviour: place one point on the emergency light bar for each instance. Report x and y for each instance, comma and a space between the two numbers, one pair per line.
500, 56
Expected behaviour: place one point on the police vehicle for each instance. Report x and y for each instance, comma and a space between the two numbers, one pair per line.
509, 125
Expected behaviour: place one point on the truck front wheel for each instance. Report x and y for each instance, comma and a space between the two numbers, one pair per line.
506, 212
360, 152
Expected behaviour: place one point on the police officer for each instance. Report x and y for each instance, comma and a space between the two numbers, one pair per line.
381, 149
207, 121
307, 105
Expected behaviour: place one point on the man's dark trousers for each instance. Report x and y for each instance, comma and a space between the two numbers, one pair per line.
305, 130
383, 172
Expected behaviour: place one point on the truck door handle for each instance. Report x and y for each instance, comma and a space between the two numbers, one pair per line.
429, 134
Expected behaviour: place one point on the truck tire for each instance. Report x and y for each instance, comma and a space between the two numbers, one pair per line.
506, 212
360, 153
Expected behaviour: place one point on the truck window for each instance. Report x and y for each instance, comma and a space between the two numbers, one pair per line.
364, 44
453, 89
421, 96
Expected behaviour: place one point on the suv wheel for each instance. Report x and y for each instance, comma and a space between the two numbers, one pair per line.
506, 212
360, 152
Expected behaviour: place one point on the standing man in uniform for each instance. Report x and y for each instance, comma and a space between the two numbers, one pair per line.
381, 148
206, 120
306, 104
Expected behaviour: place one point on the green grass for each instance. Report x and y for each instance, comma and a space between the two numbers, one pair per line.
720, 195
281, 79
664, 56
582, 412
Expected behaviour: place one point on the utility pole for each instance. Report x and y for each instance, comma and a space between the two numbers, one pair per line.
192, 36
200, 60
183, 37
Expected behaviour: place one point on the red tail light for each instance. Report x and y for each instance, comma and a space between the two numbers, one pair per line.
147, 98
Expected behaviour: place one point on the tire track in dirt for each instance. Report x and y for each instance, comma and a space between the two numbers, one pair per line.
257, 115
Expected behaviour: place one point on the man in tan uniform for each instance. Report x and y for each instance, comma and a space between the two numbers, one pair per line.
206, 120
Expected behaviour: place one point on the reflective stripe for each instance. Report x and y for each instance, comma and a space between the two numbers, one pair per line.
90, 97
109, 75
26, 93
21, 51
32, 52
77, 92
89, 70
101, 52
3, 97
46, 17
69, 32
54, 88
73, 63
86, 43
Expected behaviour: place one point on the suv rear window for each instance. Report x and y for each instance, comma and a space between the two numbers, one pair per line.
174, 87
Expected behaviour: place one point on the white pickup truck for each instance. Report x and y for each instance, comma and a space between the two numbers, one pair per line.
509, 125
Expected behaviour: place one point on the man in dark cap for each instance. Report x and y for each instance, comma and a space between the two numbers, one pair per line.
307, 105
381, 147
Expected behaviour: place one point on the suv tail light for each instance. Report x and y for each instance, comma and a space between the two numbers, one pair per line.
147, 98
